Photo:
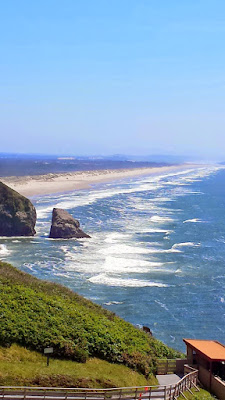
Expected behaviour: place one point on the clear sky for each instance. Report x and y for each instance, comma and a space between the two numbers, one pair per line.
113, 76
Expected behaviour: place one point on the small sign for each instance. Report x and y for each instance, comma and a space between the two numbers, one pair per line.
48, 350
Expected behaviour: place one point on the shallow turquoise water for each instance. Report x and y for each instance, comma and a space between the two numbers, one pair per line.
156, 255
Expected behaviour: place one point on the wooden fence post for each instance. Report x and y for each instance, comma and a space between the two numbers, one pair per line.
170, 398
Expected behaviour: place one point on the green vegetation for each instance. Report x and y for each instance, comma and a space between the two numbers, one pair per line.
22, 367
35, 314
202, 395
17, 213
13, 200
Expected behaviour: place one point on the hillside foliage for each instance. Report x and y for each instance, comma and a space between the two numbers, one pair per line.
22, 367
36, 314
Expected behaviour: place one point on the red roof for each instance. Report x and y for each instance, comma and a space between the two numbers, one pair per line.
211, 349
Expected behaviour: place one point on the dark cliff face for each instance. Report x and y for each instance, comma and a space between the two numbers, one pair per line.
65, 226
17, 213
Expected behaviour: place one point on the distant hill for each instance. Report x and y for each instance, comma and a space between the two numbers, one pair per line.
36, 314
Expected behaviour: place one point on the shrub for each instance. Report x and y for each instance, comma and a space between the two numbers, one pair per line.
37, 314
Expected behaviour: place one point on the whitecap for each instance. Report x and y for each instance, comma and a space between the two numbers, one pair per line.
124, 249
109, 264
103, 279
115, 236
157, 218
151, 183
162, 305
193, 220
172, 250
152, 230
186, 244
4, 251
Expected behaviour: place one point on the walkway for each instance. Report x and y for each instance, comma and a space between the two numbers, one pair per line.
168, 386
170, 379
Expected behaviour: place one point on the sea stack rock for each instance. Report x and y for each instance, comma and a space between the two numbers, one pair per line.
64, 226
17, 213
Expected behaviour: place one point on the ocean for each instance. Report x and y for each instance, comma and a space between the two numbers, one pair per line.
156, 256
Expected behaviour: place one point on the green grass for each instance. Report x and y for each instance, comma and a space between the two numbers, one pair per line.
22, 367
202, 395
36, 314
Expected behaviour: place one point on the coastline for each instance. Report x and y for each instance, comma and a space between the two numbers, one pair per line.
66, 182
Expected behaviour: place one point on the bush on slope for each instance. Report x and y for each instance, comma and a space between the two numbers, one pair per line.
22, 367
36, 314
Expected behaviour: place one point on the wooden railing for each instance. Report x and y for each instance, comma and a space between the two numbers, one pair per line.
170, 366
186, 383
169, 392
165, 366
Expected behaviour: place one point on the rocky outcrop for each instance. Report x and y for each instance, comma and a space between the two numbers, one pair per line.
17, 213
65, 226
147, 330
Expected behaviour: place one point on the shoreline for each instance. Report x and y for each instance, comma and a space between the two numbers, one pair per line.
52, 183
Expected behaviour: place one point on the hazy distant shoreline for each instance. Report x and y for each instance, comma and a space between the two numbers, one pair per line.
64, 182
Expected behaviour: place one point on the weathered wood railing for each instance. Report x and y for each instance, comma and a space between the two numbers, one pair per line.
170, 366
186, 383
126, 393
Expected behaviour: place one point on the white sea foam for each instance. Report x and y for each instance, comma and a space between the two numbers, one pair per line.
109, 303
157, 230
157, 218
125, 265
172, 250
162, 199
116, 236
162, 305
151, 183
103, 279
4, 252
91, 197
124, 249
193, 220
186, 244
110, 264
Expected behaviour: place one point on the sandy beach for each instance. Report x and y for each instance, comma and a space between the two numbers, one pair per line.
64, 182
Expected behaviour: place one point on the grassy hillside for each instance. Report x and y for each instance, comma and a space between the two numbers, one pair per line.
22, 367
36, 314
202, 395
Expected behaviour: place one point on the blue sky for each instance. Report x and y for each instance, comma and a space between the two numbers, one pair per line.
113, 76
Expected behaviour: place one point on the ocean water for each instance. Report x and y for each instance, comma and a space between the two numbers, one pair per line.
156, 256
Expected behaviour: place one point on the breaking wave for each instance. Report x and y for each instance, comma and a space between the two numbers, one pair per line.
4, 251
103, 279
193, 220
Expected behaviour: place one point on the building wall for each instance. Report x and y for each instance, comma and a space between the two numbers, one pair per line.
180, 365
217, 386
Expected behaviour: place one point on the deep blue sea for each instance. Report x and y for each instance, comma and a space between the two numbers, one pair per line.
156, 256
